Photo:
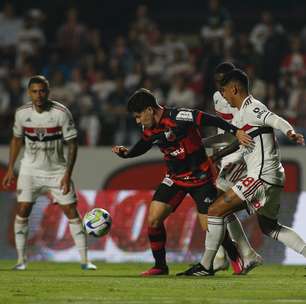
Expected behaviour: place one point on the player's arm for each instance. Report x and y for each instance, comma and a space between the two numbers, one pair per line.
72, 147
204, 119
229, 149
285, 127
15, 147
140, 148
70, 137
260, 115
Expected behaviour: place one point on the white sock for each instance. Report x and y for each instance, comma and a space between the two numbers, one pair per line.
290, 238
238, 235
21, 228
79, 238
214, 237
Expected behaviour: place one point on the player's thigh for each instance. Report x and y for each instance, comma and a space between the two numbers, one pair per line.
226, 204
270, 201
165, 200
28, 188
259, 196
53, 186
203, 196
230, 173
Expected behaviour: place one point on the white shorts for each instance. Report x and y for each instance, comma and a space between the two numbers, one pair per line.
30, 187
230, 173
260, 197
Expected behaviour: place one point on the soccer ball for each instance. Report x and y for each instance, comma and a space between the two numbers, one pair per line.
97, 222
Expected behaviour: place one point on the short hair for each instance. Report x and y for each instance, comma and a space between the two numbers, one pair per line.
39, 79
238, 76
224, 68
141, 100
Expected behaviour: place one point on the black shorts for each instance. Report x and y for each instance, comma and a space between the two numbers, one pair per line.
172, 194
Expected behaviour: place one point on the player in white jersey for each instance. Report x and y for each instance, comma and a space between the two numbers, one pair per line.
260, 190
44, 125
232, 169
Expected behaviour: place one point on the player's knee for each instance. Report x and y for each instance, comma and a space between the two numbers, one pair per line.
70, 211
214, 210
268, 226
154, 221
24, 210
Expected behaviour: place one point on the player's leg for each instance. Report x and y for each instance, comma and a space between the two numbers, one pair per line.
26, 195
250, 257
165, 200
226, 204
21, 229
286, 235
267, 219
68, 204
229, 175
204, 196
78, 234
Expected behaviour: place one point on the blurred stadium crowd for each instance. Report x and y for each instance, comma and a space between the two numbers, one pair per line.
94, 76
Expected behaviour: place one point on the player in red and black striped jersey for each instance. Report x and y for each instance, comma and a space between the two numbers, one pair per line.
177, 134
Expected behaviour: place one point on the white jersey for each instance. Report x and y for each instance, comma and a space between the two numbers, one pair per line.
227, 112
263, 159
44, 134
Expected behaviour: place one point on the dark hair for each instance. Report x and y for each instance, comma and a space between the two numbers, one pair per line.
236, 75
224, 68
141, 100
39, 79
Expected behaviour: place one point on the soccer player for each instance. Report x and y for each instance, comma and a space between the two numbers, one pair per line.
44, 125
176, 133
260, 190
232, 169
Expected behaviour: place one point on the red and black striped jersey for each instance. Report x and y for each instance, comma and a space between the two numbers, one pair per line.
179, 138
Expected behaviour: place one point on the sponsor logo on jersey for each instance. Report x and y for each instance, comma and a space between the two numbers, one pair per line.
168, 181
259, 112
177, 152
185, 116
41, 133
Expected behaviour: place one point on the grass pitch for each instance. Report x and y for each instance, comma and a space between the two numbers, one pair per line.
61, 283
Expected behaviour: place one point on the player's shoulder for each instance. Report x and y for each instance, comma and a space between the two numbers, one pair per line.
251, 104
27, 106
182, 114
59, 107
217, 97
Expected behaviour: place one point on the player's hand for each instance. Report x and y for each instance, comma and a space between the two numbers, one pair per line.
244, 139
65, 184
121, 151
296, 137
8, 179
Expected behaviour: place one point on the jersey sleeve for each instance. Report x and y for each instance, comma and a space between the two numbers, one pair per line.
257, 114
68, 126
18, 128
203, 119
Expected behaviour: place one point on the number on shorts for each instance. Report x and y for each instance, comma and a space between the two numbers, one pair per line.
247, 181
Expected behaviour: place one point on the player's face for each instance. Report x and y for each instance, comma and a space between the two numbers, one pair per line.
145, 118
38, 93
228, 92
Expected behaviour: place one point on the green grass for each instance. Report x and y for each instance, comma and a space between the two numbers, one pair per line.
60, 283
